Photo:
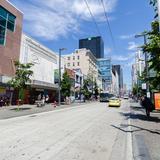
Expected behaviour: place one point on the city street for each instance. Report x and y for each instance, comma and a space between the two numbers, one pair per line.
88, 132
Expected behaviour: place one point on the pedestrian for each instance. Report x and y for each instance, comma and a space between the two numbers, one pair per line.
1, 102
39, 97
43, 100
147, 104
47, 99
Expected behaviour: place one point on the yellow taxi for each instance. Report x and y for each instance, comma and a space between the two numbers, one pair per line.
114, 102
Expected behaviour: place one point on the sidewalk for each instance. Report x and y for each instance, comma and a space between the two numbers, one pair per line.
26, 109
145, 133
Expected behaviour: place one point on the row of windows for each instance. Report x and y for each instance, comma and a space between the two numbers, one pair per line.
103, 63
68, 64
73, 58
7, 21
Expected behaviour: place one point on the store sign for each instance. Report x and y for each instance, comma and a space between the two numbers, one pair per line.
157, 101
144, 86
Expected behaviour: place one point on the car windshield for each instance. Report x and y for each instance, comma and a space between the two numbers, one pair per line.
103, 95
114, 98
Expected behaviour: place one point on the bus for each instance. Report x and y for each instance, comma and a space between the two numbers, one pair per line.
104, 97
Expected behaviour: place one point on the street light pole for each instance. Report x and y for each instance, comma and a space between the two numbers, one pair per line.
59, 80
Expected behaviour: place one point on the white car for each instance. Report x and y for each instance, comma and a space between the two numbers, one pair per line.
125, 96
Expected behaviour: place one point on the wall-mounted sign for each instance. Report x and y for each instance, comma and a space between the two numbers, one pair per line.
144, 86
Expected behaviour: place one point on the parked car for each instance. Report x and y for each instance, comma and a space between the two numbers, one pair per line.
114, 102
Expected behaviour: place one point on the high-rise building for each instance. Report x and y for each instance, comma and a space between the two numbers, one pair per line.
120, 77
104, 66
82, 59
94, 44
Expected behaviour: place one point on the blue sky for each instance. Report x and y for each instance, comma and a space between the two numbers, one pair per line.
61, 23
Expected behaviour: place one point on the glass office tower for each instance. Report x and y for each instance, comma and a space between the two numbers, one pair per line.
94, 44
105, 72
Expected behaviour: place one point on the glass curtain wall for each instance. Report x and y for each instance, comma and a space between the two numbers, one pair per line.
7, 21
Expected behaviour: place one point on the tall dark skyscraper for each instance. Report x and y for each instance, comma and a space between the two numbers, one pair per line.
95, 44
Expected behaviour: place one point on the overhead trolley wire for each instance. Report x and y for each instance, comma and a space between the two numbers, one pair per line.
108, 24
92, 17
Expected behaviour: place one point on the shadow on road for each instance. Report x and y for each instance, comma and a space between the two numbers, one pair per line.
141, 117
124, 128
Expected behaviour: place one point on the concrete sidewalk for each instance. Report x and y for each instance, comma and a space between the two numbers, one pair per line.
26, 109
145, 133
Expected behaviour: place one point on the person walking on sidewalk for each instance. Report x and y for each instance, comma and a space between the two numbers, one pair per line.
147, 104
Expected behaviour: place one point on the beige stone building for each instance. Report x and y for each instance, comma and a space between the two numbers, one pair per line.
82, 59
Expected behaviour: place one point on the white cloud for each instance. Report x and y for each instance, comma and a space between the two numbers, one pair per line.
119, 58
129, 36
107, 50
52, 19
132, 46
124, 58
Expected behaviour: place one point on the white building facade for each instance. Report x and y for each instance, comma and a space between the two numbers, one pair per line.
115, 82
45, 63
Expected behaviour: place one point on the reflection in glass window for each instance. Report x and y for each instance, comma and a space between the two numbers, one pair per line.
10, 26
7, 21
3, 12
3, 21
2, 35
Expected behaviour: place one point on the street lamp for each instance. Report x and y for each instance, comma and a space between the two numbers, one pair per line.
144, 35
59, 80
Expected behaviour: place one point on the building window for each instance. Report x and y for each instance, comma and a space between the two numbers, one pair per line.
2, 35
77, 63
68, 58
7, 21
73, 64
68, 64
73, 57
78, 57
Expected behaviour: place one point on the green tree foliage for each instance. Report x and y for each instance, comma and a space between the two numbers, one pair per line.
134, 89
154, 4
22, 76
66, 85
85, 89
153, 50
96, 89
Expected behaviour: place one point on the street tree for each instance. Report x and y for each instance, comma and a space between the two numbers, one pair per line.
85, 89
96, 89
152, 48
21, 78
66, 85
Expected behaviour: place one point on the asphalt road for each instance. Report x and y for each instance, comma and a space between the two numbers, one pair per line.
88, 132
